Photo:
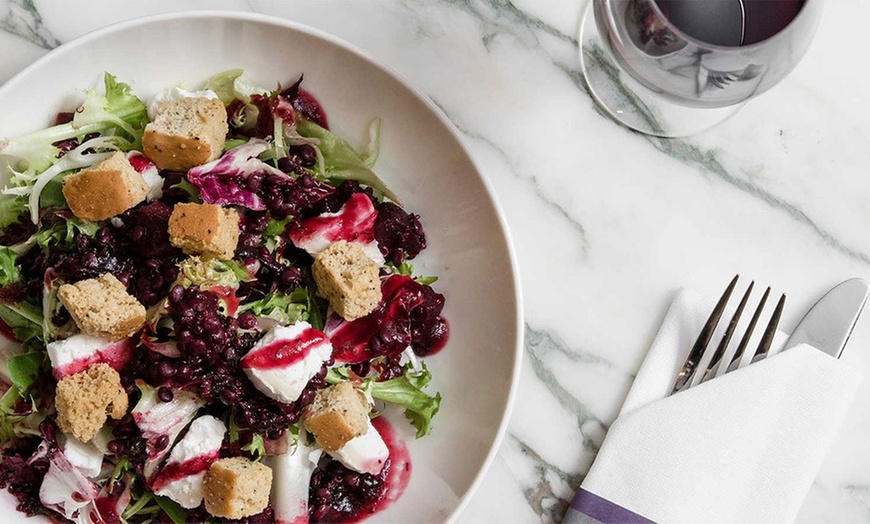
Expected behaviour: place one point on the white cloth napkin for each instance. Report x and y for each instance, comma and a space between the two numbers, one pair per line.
743, 447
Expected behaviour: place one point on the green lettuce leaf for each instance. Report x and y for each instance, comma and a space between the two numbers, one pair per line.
14, 423
406, 391
286, 309
257, 447
408, 270
52, 194
191, 190
272, 235
172, 509
24, 318
142, 507
118, 110
25, 370
19, 406
316, 306
373, 149
341, 161
233, 84
207, 271
9, 271
11, 209
50, 307
122, 467
63, 233
32, 185
276, 227
234, 143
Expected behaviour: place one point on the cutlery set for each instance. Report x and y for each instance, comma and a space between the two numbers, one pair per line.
827, 326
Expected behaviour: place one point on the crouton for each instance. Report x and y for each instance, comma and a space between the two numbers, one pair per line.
338, 414
101, 307
86, 399
204, 229
235, 488
348, 279
104, 190
186, 133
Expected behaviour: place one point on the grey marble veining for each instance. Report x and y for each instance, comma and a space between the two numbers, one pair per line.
22, 19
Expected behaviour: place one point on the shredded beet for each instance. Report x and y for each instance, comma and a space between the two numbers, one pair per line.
18, 231
285, 196
193, 343
408, 315
199, 515
23, 467
211, 346
338, 494
399, 234
137, 252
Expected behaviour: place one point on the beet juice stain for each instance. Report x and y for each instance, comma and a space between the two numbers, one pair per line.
338, 494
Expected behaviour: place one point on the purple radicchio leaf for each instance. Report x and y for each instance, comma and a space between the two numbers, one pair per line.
235, 178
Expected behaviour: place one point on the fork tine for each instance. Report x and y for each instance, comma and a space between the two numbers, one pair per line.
684, 377
713, 367
767, 339
738, 355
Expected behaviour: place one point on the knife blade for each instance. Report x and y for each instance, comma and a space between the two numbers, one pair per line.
828, 325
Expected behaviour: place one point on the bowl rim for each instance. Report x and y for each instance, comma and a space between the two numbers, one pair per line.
245, 16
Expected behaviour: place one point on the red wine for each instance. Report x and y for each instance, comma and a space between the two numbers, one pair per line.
730, 22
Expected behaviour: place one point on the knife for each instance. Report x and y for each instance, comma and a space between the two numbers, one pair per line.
828, 325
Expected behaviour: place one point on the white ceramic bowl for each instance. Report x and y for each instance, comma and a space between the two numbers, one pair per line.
422, 159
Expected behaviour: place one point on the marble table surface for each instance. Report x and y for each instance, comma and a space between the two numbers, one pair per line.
607, 224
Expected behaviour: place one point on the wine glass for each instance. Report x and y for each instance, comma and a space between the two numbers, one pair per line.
674, 68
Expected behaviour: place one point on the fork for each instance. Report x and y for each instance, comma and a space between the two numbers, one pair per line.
699, 350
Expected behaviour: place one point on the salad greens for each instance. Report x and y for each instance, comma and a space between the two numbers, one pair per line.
283, 308
208, 271
231, 85
117, 111
281, 168
35, 160
406, 391
341, 162
408, 270
24, 318
10, 209
9, 272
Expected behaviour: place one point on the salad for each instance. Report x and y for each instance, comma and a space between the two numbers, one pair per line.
212, 303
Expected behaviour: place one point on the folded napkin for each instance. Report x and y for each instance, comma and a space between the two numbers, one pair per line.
743, 447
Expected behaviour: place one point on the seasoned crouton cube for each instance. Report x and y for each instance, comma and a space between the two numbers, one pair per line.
204, 229
86, 399
338, 414
105, 189
235, 488
186, 133
101, 307
348, 279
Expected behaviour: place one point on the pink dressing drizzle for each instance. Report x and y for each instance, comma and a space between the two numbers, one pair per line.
399, 474
381, 331
140, 162
400, 462
283, 353
228, 295
301, 519
116, 355
354, 222
178, 470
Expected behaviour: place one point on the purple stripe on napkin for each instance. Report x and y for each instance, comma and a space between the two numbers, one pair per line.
596, 509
